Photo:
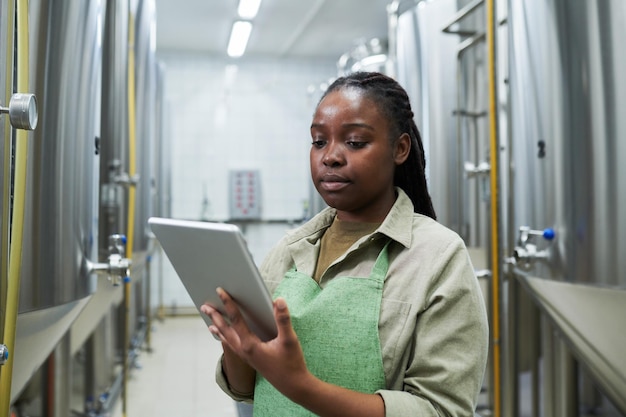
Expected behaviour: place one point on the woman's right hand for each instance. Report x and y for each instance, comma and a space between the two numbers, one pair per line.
280, 360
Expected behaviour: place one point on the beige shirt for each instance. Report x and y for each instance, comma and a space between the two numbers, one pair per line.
433, 324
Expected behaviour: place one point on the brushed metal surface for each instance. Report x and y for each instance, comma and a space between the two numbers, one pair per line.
568, 93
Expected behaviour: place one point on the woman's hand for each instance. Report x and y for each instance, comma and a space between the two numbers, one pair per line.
279, 360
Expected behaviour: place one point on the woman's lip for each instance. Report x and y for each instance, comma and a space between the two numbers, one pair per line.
333, 178
333, 183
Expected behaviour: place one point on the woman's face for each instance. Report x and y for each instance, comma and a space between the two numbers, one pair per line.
352, 158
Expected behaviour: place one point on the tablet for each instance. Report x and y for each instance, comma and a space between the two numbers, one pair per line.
208, 255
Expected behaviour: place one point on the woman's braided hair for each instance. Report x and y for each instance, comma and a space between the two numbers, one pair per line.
393, 102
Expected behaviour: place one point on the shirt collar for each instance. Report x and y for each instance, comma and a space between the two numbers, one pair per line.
398, 225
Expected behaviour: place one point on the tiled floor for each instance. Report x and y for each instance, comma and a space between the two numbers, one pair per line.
177, 377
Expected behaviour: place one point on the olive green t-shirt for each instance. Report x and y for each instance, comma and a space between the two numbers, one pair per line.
337, 240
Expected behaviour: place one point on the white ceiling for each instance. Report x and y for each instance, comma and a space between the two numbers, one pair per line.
282, 28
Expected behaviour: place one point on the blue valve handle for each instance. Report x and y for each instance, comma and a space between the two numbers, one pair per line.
549, 234
4, 352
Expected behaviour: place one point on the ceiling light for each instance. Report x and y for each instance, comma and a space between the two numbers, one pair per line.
248, 8
239, 38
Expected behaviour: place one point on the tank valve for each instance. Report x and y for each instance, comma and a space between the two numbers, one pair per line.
4, 354
471, 170
526, 253
22, 111
118, 177
117, 267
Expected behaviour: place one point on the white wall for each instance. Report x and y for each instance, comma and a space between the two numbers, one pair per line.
256, 116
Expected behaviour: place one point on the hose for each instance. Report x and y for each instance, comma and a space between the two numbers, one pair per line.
17, 222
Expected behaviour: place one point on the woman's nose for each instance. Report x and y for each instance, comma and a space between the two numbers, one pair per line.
333, 156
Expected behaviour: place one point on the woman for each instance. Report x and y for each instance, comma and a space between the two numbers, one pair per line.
378, 309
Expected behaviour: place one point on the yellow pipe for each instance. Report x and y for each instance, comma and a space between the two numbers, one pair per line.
6, 173
495, 224
17, 222
132, 169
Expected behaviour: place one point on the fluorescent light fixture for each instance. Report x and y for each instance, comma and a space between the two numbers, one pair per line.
370, 61
248, 8
239, 38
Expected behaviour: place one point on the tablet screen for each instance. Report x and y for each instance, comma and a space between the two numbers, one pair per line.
208, 255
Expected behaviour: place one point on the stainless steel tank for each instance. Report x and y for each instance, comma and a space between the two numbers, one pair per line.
438, 55
568, 95
114, 179
60, 230
567, 98
425, 65
146, 84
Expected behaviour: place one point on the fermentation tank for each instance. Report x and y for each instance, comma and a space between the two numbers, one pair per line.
60, 230
449, 109
568, 96
568, 182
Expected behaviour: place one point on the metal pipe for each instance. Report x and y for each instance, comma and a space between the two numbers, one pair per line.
148, 278
548, 354
392, 43
567, 401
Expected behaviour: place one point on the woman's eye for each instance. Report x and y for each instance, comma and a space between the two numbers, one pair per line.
318, 143
356, 144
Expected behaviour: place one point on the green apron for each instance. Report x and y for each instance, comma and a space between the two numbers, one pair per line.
338, 330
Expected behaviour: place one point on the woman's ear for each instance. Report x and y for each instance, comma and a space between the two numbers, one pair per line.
402, 148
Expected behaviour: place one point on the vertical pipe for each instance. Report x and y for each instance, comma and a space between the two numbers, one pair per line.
511, 376
132, 169
391, 66
567, 398
17, 218
61, 378
548, 355
511, 408
148, 278
494, 203
161, 309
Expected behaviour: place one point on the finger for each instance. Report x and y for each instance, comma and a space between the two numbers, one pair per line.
220, 327
283, 319
215, 316
217, 335
233, 313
